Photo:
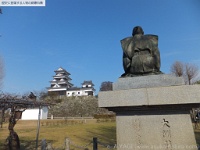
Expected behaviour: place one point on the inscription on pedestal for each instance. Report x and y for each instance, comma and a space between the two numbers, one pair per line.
166, 134
137, 133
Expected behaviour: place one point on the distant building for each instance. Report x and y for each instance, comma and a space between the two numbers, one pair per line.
61, 82
86, 90
60, 85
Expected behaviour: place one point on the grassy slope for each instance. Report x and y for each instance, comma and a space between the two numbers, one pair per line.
57, 131
79, 134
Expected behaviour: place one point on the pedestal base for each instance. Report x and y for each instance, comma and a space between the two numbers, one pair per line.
153, 116
155, 132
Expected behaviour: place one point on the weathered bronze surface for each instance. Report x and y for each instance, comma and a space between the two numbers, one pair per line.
141, 55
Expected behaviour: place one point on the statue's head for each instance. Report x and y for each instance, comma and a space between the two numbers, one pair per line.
137, 30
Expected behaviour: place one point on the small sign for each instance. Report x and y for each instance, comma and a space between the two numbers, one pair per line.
22, 2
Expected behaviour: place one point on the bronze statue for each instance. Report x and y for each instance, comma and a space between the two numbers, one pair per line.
141, 55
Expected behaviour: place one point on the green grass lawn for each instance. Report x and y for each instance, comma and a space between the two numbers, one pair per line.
55, 132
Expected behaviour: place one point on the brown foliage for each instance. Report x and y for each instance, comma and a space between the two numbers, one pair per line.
104, 116
85, 106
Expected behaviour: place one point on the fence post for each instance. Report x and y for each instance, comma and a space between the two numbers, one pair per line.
38, 127
67, 144
43, 144
95, 147
49, 146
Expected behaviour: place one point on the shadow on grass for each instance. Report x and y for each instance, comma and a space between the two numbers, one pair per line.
106, 136
24, 145
197, 136
30, 144
27, 145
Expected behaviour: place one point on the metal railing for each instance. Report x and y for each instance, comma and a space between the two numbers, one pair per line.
68, 143
74, 118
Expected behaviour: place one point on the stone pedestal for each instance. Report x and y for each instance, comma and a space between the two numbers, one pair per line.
153, 112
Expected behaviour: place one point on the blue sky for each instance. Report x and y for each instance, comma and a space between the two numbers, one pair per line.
84, 38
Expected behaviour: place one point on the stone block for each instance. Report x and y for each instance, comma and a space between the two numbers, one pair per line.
155, 132
133, 97
151, 96
185, 94
147, 82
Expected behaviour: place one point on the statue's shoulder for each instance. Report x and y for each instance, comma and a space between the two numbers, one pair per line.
126, 40
151, 37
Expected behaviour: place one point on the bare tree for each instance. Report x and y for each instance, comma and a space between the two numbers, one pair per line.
177, 68
186, 70
81, 106
191, 72
106, 86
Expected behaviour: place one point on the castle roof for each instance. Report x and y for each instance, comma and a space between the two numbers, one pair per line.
61, 70
74, 89
88, 83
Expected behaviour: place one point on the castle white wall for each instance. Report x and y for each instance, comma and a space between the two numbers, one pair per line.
32, 114
86, 86
76, 93
79, 92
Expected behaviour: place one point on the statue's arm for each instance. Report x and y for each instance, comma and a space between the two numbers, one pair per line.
157, 58
126, 62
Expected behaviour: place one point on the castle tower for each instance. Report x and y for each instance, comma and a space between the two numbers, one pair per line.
60, 82
88, 87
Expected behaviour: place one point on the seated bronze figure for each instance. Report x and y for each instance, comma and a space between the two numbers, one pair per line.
141, 55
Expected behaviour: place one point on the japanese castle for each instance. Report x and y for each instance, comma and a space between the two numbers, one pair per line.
61, 85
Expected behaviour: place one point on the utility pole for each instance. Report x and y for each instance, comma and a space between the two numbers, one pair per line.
38, 127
